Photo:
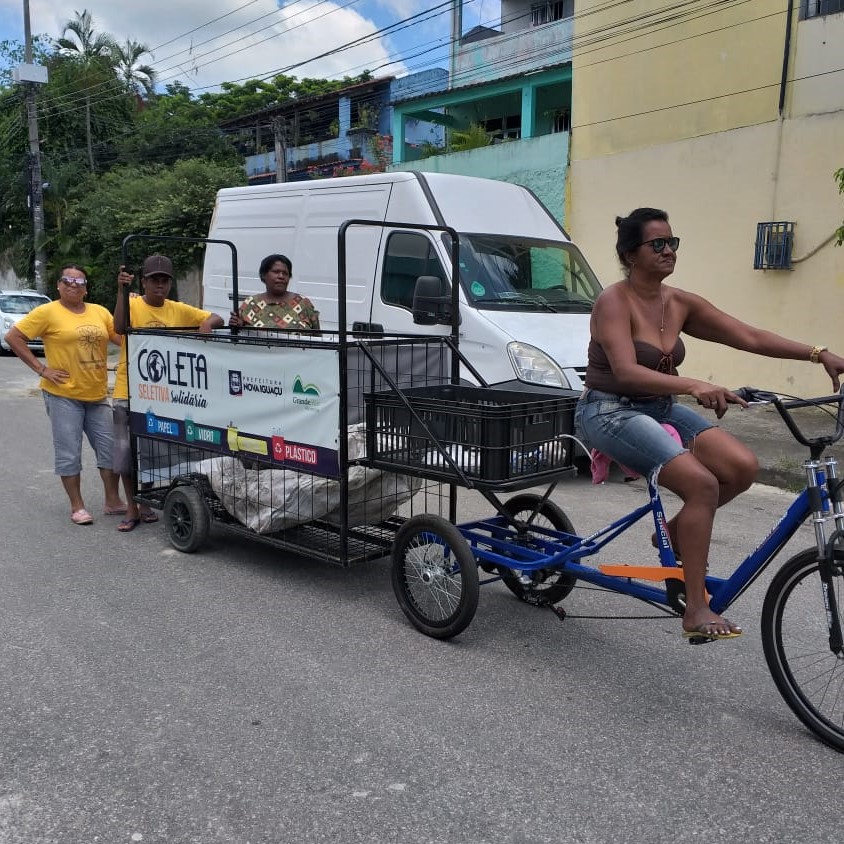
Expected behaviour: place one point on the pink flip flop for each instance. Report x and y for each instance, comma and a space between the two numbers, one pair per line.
81, 517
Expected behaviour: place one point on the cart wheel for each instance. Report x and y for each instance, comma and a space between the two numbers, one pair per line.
435, 576
187, 520
547, 586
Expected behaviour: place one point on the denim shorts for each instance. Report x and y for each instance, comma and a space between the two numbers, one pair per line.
630, 430
70, 418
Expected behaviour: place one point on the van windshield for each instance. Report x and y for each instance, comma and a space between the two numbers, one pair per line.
502, 272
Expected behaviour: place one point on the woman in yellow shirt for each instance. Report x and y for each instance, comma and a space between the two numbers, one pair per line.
74, 384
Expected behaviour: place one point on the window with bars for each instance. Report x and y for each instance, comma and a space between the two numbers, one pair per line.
773, 246
818, 8
550, 11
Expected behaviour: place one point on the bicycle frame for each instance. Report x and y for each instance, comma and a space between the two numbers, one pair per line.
491, 541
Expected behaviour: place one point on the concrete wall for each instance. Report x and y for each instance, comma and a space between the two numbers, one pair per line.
537, 163
645, 74
715, 190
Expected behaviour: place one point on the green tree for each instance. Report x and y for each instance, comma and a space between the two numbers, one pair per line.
15, 223
152, 199
237, 100
94, 52
173, 126
138, 78
73, 128
839, 234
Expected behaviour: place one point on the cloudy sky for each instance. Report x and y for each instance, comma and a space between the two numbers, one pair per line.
205, 42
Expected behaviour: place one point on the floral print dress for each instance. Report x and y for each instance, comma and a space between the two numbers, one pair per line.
297, 313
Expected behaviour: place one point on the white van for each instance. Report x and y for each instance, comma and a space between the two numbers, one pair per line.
526, 291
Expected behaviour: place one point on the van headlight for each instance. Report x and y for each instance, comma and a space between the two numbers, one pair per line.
533, 366
8, 322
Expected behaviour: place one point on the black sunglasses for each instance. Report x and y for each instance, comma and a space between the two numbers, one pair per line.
659, 243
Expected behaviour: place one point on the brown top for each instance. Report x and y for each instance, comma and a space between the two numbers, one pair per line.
599, 374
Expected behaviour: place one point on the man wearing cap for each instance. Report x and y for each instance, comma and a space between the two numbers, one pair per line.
151, 310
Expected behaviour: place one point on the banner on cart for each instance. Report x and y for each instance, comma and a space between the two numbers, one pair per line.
275, 404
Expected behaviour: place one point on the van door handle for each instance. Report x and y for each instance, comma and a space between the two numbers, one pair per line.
367, 328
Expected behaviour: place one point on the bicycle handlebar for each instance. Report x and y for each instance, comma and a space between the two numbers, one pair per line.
752, 395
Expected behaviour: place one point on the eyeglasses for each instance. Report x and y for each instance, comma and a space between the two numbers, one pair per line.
73, 282
659, 243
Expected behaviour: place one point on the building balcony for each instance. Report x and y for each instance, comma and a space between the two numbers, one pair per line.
513, 53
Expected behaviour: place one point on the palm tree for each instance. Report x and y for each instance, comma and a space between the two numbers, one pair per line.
138, 78
93, 50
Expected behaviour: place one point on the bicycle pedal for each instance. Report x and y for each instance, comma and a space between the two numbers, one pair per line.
700, 640
558, 611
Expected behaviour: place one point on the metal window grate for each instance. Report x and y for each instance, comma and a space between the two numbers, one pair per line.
773, 246
819, 8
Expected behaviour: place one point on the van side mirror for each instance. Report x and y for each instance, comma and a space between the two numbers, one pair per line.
431, 301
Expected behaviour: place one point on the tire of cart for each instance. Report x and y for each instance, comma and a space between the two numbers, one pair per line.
435, 576
546, 586
186, 519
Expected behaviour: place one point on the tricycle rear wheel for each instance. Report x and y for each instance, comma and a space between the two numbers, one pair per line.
186, 518
547, 586
435, 576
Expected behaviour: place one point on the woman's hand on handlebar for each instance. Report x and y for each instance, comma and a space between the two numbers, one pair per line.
834, 366
713, 397
234, 320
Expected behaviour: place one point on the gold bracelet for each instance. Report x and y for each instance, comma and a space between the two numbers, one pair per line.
815, 354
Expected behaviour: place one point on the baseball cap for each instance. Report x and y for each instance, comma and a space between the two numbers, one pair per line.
157, 265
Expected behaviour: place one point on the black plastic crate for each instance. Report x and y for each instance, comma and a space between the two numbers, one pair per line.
494, 437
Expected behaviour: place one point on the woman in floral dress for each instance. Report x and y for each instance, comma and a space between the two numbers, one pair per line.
278, 307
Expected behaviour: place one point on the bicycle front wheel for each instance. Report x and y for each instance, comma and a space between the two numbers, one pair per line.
795, 637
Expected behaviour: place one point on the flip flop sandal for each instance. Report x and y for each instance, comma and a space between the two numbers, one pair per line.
128, 525
114, 511
81, 517
149, 518
701, 635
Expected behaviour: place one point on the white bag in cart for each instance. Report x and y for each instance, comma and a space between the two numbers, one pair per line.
268, 500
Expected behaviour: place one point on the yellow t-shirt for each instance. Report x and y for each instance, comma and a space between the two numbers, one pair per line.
142, 315
77, 343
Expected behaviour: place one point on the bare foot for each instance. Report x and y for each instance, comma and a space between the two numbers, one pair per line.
708, 623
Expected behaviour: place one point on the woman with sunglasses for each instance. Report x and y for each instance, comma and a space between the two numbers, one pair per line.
632, 380
74, 384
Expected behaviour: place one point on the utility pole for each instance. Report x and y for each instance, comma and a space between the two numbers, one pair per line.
279, 130
31, 76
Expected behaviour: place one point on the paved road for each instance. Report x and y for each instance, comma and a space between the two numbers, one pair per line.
244, 695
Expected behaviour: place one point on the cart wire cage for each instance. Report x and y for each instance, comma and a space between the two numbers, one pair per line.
277, 490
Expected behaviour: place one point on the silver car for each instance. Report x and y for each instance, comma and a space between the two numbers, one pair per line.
13, 305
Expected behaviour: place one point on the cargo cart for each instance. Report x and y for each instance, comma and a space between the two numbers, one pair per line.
344, 447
